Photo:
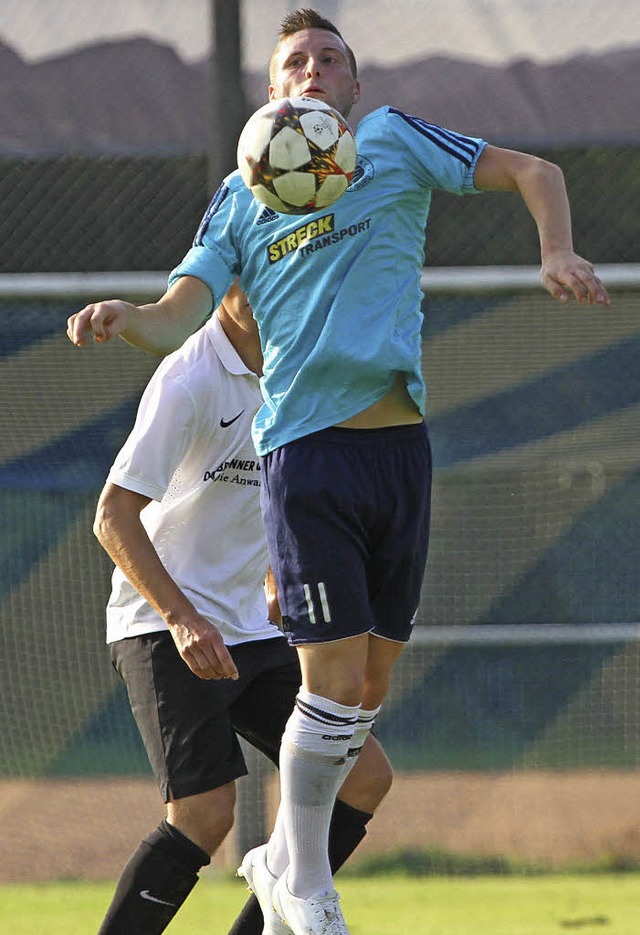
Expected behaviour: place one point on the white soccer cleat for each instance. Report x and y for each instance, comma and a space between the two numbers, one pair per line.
318, 915
261, 881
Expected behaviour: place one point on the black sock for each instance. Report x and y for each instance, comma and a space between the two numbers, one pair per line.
154, 884
348, 827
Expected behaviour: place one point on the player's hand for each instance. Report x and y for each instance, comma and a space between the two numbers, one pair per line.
202, 648
102, 321
564, 274
271, 595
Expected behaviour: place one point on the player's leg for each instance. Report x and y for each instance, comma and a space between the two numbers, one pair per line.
312, 504
195, 757
164, 868
261, 711
319, 749
357, 800
366, 784
314, 761
260, 714
328, 503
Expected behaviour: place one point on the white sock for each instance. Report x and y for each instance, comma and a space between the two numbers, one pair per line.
277, 852
313, 758
364, 726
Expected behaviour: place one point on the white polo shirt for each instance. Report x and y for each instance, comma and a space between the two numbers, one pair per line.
191, 452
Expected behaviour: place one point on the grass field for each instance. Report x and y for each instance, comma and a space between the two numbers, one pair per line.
392, 905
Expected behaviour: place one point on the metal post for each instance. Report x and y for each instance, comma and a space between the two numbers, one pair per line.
227, 102
227, 116
249, 828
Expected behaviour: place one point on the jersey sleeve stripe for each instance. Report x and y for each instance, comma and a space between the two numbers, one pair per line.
461, 147
214, 204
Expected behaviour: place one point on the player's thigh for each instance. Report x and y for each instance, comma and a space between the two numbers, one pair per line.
183, 720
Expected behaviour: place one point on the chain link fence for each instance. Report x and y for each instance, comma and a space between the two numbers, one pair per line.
106, 165
108, 135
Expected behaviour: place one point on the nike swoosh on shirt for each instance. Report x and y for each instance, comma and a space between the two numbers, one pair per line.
224, 424
152, 899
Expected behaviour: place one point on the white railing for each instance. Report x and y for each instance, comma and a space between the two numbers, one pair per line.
437, 279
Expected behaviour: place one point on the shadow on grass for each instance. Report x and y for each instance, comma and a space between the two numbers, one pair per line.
425, 863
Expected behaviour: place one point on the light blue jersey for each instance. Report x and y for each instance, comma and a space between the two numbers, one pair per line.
336, 294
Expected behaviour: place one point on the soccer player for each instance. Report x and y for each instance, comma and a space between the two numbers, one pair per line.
345, 453
188, 624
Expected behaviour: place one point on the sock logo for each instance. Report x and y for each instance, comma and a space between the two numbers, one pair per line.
152, 899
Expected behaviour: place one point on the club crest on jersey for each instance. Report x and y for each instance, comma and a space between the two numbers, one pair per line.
363, 174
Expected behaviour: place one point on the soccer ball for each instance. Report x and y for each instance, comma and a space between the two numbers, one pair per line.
297, 155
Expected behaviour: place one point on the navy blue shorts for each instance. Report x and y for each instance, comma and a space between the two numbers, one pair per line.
346, 513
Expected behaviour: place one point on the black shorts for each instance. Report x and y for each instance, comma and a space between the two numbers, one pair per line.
346, 514
189, 725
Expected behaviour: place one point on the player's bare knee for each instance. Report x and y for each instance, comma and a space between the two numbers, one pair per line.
205, 819
344, 687
208, 834
335, 670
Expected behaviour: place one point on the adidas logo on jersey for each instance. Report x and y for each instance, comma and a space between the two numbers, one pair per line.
266, 215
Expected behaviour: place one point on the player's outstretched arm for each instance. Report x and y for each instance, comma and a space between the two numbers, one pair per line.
159, 327
121, 533
542, 187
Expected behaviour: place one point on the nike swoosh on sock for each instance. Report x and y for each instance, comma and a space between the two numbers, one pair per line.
153, 899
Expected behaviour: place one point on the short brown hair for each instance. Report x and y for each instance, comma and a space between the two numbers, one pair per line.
308, 18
